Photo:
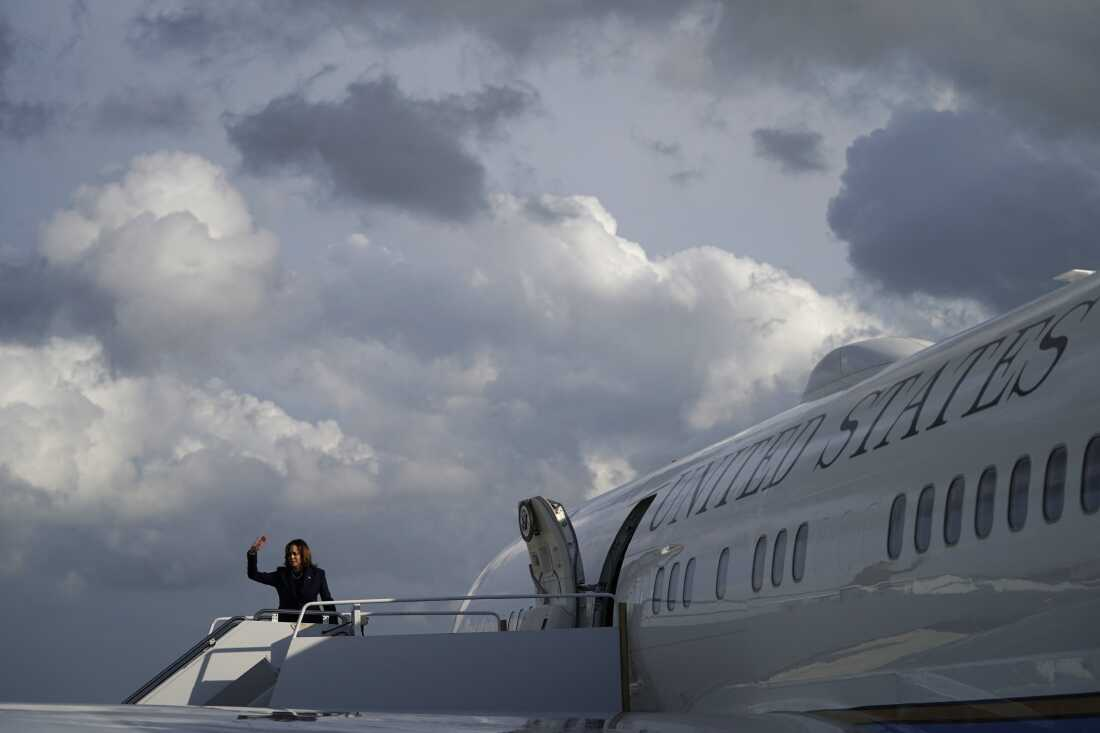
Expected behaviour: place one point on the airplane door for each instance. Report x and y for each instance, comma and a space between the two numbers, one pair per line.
613, 563
555, 563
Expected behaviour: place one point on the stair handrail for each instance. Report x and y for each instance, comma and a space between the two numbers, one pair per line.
355, 603
494, 614
257, 616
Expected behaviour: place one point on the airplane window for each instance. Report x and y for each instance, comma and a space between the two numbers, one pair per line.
953, 512
779, 557
658, 581
1090, 477
759, 557
689, 581
897, 527
512, 620
1054, 485
799, 563
673, 581
723, 571
1018, 489
983, 510
922, 532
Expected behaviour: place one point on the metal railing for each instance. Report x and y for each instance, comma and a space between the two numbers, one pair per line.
345, 618
357, 613
368, 614
274, 613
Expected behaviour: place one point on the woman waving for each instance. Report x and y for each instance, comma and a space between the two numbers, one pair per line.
297, 582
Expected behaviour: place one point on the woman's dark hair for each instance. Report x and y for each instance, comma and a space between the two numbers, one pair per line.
303, 552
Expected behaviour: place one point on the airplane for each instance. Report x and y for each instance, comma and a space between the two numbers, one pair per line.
917, 540
915, 546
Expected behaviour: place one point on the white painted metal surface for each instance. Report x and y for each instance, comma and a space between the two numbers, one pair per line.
242, 666
223, 663
573, 671
853, 363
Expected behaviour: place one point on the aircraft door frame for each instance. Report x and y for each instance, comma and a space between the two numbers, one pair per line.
604, 609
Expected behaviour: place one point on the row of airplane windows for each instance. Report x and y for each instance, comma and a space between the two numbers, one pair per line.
675, 593
1019, 489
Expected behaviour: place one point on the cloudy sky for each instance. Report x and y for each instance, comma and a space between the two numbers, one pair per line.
370, 272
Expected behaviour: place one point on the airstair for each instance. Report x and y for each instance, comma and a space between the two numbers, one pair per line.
259, 661
567, 657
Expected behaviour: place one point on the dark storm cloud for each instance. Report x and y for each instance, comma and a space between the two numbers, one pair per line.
796, 151
530, 26
141, 110
957, 204
37, 301
207, 31
190, 29
379, 146
18, 119
6, 47
104, 549
1030, 60
1033, 61
519, 28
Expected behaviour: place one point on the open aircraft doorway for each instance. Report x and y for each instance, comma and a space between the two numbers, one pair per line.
613, 562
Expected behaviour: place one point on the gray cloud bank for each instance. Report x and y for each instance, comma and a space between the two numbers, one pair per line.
1029, 60
519, 29
37, 301
377, 146
1032, 61
142, 109
960, 204
796, 151
18, 119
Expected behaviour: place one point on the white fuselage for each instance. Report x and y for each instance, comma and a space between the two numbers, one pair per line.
1012, 614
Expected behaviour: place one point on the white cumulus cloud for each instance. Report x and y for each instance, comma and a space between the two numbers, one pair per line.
541, 333
173, 244
135, 462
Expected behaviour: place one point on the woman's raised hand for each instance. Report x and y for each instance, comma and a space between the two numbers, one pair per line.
259, 543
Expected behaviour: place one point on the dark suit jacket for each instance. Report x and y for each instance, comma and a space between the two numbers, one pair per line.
294, 592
